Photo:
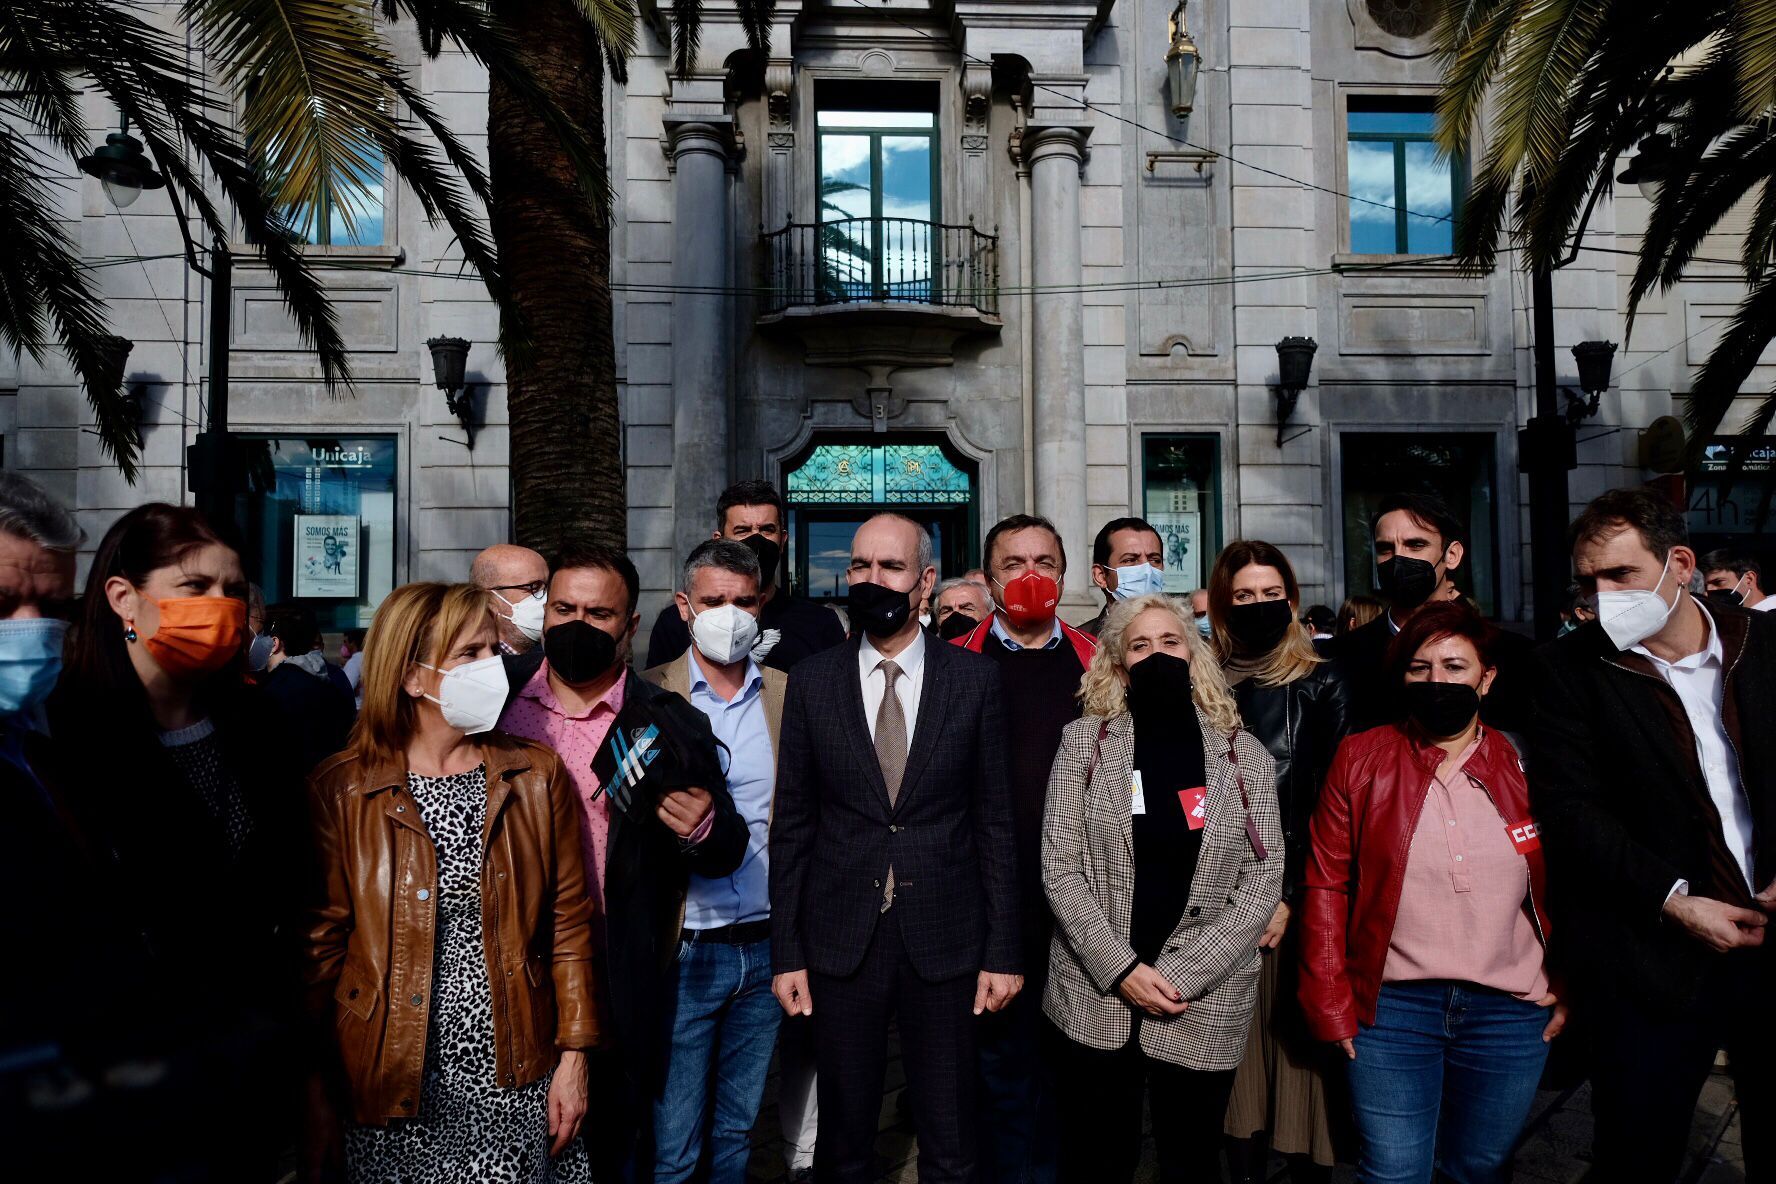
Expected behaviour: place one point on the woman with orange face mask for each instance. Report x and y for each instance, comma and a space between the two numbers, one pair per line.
188, 779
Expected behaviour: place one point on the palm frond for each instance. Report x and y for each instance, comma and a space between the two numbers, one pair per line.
311, 74
1550, 47
614, 22
1753, 39
38, 84
755, 21
1471, 38
1730, 363
45, 294
687, 35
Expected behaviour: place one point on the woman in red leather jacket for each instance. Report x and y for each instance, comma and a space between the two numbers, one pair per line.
1424, 938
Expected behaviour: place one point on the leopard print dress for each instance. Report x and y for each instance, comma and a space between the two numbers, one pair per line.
467, 1128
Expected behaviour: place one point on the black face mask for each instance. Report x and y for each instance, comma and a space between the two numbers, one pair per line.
1442, 709
1258, 627
1725, 597
579, 651
956, 625
1160, 682
1407, 583
878, 611
769, 556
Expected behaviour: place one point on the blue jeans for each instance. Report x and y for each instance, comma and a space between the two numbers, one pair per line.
1444, 1077
723, 1025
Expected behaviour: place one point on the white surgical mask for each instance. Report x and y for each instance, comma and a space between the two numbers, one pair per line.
1141, 579
472, 695
1635, 614
259, 652
527, 614
724, 634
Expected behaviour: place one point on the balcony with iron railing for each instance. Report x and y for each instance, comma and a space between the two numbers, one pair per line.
881, 265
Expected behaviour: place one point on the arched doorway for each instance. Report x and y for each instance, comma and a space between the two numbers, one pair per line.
840, 480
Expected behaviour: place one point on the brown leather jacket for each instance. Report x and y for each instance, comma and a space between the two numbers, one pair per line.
369, 957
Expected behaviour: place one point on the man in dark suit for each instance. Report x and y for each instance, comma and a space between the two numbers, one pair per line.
1653, 780
893, 867
791, 627
1419, 546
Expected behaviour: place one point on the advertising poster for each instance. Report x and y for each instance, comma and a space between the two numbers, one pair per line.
1180, 531
327, 556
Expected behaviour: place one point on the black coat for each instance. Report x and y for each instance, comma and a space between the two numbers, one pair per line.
647, 869
1375, 693
1624, 813
948, 837
1300, 724
320, 714
807, 628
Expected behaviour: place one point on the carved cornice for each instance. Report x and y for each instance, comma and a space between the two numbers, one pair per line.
779, 82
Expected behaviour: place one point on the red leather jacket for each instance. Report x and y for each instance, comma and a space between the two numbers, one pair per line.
1361, 835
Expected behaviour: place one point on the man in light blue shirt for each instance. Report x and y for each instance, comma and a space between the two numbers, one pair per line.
725, 1018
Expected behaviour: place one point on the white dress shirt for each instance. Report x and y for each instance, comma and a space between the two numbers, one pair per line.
1700, 682
912, 677
1767, 604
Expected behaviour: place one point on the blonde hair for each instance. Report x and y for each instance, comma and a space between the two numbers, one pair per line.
414, 623
1103, 693
1291, 658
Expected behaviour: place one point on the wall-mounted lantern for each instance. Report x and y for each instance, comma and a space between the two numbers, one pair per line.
450, 359
1182, 61
1295, 359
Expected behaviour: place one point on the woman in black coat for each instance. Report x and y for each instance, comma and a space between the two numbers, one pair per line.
1297, 705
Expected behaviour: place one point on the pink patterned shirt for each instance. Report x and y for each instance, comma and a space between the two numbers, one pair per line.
536, 714
1461, 907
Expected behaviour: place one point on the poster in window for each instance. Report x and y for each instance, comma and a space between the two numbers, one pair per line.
1180, 533
326, 556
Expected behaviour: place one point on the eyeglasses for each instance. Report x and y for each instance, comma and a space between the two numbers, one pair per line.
534, 588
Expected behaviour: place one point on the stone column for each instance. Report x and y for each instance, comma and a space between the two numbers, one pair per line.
1056, 158
702, 338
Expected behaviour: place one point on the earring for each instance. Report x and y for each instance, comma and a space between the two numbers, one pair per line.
129, 629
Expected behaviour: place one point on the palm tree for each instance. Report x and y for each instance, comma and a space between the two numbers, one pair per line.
553, 232
323, 102
1574, 83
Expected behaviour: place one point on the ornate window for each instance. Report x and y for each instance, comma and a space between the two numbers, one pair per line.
879, 474
1405, 194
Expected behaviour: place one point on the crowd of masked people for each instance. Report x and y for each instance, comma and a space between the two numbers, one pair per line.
492, 901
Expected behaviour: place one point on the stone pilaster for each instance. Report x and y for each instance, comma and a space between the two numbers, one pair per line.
1055, 157
700, 148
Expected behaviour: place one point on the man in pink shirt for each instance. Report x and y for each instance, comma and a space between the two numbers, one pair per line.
645, 768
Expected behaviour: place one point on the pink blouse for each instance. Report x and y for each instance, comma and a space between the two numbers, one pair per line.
1462, 914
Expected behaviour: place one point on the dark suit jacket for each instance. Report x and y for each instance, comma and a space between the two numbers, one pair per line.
948, 837
646, 872
1624, 811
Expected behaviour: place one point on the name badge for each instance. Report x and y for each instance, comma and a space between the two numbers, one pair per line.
1137, 795
1196, 806
1524, 836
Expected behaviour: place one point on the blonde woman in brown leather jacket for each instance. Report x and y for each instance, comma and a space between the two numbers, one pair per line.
451, 949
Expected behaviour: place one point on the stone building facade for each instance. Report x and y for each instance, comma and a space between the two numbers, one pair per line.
962, 260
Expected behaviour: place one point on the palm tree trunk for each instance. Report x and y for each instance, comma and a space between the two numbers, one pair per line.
553, 236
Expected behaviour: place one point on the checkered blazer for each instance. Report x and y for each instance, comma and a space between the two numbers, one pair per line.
1088, 870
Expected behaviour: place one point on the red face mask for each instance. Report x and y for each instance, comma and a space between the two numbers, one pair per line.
197, 634
1029, 600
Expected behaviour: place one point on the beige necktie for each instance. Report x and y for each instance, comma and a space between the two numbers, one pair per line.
891, 749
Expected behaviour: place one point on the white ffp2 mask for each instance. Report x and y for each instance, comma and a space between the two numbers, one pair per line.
724, 634
527, 615
1632, 615
472, 695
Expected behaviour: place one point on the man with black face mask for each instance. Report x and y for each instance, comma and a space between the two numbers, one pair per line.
790, 628
655, 808
893, 866
1419, 546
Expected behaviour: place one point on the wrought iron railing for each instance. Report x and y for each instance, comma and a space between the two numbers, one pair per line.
881, 260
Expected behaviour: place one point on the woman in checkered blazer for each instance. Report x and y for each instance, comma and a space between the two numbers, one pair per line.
1162, 857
